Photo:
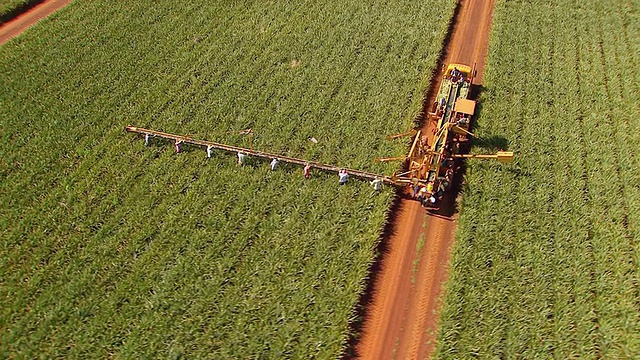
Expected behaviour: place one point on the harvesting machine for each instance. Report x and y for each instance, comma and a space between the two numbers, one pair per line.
432, 159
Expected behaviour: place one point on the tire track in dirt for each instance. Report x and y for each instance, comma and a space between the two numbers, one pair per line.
22, 22
401, 319
394, 271
411, 344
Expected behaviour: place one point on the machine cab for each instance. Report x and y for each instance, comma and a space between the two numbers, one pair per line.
457, 71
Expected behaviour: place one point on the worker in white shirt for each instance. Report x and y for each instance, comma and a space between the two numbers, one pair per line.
343, 176
274, 164
377, 184
422, 193
241, 157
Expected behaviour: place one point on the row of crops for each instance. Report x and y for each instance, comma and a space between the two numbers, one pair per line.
8, 7
546, 263
108, 248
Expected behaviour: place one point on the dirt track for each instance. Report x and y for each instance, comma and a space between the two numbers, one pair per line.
16, 26
402, 317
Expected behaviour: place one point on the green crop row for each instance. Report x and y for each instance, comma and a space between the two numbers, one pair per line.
9, 7
546, 263
109, 248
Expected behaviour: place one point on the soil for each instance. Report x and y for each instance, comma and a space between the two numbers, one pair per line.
23, 21
401, 315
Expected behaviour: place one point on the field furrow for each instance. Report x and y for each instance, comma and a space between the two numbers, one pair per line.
557, 230
113, 249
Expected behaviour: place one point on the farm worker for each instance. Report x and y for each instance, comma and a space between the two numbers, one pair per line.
430, 187
432, 200
241, 157
209, 148
307, 170
178, 146
449, 173
343, 176
422, 194
443, 185
146, 139
377, 184
456, 145
416, 189
274, 164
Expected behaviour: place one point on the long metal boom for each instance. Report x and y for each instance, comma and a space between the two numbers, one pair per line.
501, 156
262, 154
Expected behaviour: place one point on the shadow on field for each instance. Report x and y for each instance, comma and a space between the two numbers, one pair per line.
491, 143
518, 173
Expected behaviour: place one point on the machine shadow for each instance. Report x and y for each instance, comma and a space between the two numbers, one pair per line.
491, 143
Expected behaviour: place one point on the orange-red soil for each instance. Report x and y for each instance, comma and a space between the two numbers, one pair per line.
401, 319
20, 23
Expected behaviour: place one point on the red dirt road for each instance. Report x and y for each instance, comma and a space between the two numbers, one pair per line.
401, 319
16, 26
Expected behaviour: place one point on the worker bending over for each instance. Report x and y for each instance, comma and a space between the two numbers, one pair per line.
377, 184
432, 200
241, 157
274, 164
343, 176
422, 193
178, 146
